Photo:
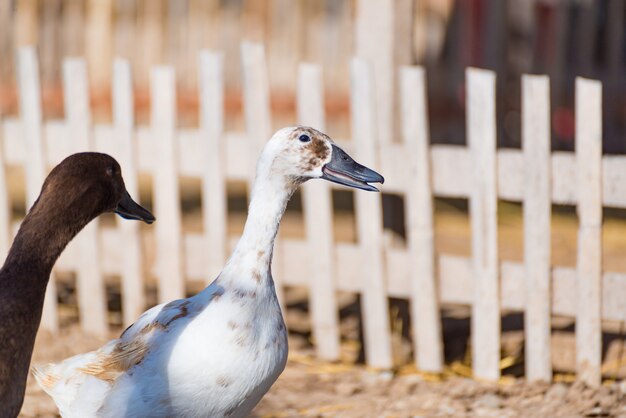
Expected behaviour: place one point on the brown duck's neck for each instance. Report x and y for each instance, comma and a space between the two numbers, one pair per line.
39, 242
23, 281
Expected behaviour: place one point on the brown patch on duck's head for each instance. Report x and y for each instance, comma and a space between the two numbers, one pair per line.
316, 147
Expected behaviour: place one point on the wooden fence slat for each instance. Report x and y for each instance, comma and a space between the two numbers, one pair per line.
537, 213
35, 165
133, 296
374, 302
318, 211
589, 257
214, 205
166, 192
481, 131
256, 96
90, 284
256, 104
425, 315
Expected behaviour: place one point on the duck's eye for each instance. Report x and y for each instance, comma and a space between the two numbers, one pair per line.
110, 170
304, 138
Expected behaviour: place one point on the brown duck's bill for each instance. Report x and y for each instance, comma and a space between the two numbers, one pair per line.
127, 208
342, 169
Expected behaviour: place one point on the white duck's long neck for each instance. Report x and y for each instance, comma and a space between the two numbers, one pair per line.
252, 257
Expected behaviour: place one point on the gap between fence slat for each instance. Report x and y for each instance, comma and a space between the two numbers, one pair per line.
165, 184
537, 213
589, 257
133, 296
374, 302
318, 217
214, 205
481, 131
425, 315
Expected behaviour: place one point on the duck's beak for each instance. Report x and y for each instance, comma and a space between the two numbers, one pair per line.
344, 170
127, 208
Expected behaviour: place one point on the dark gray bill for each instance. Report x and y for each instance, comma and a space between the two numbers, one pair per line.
127, 208
344, 170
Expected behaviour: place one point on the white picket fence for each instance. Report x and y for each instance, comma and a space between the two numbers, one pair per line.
412, 167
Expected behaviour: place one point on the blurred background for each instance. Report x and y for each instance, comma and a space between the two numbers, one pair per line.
561, 38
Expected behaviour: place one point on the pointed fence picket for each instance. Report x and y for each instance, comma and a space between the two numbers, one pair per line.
420, 224
368, 206
537, 212
89, 278
481, 138
318, 208
31, 127
214, 210
133, 295
258, 119
165, 185
370, 266
589, 259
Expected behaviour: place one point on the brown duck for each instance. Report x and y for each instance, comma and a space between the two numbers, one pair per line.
77, 190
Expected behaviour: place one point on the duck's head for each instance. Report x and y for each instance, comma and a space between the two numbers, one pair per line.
84, 185
303, 153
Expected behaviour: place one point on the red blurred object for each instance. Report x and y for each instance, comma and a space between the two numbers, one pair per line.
564, 123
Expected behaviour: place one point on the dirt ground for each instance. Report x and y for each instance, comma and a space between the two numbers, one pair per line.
312, 388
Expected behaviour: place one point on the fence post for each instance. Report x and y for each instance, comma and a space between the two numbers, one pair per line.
537, 212
90, 284
589, 258
166, 193
375, 306
421, 244
211, 84
31, 127
318, 212
133, 297
481, 131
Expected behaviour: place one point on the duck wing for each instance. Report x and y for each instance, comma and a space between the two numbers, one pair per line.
79, 384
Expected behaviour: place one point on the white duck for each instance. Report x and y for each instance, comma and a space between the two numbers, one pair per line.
217, 353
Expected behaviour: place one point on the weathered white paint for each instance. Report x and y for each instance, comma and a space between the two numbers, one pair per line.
214, 210
420, 223
481, 131
537, 213
318, 217
90, 285
589, 257
133, 294
374, 303
165, 186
